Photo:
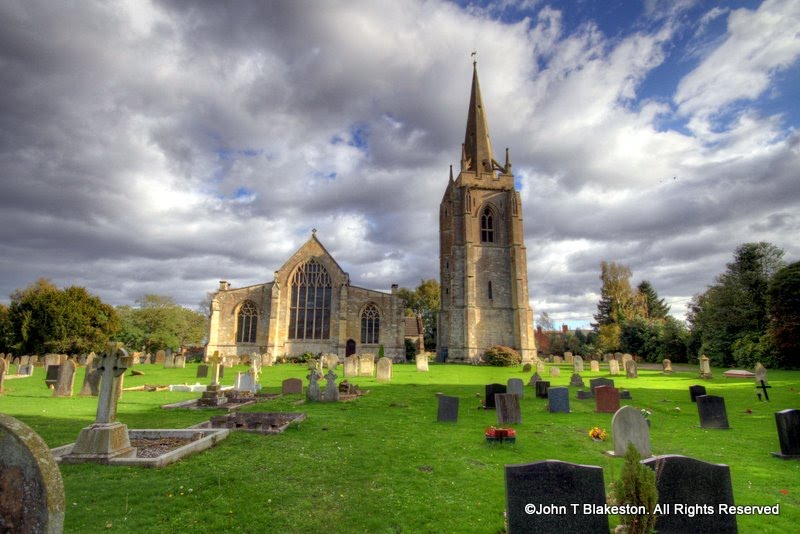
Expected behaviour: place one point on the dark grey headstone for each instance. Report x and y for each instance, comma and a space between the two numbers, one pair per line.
534, 378
712, 412
202, 371
541, 388
583, 395
51, 377
508, 411
527, 368
683, 482
448, 409
625, 394
695, 391
576, 381
597, 382
558, 399
516, 386
788, 422
491, 391
549, 489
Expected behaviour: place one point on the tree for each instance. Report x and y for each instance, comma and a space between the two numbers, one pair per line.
160, 323
423, 302
47, 319
648, 303
616, 297
6, 330
783, 303
545, 322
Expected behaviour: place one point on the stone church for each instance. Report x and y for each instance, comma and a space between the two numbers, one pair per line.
483, 265
311, 306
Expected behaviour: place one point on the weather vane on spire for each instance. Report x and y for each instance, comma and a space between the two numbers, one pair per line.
474, 56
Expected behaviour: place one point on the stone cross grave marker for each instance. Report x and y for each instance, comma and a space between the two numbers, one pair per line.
577, 364
508, 410
629, 426
541, 389
788, 423
558, 400
712, 412
763, 387
292, 386
422, 362
447, 410
66, 379
313, 393
594, 366
695, 391
516, 386
680, 481
631, 370
31, 488
606, 399
613, 367
384, 369
549, 489
215, 360
331, 391
492, 390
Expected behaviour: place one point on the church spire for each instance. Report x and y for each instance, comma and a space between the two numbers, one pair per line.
478, 154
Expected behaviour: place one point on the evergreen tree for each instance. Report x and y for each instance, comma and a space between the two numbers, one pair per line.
783, 299
651, 306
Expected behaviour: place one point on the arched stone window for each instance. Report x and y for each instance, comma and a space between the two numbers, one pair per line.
487, 226
247, 322
370, 324
310, 308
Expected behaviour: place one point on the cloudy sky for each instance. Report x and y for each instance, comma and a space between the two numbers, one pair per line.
158, 147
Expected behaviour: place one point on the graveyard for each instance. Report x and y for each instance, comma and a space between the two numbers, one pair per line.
381, 462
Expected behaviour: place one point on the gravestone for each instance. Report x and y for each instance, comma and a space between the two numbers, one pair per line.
313, 393
568, 358
422, 362
292, 386
549, 489
51, 376
555, 371
540, 367
161, 357
31, 488
492, 390
534, 378
245, 382
202, 371
558, 400
576, 381
695, 391
583, 395
508, 411
556, 359
788, 423
597, 382
267, 359
330, 361
712, 412
606, 399
91, 379
527, 368
577, 364
666, 366
682, 481
169, 360
541, 389
760, 374
24, 360
625, 394
448, 409
384, 370
594, 366
25, 370
331, 391
3, 370
52, 359
516, 386
705, 367
631, 370
613, 367
629, 426
351, 366
179, 362
626, 358
366, 365
66, 379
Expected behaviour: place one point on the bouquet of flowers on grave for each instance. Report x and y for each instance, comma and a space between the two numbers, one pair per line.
646, 413
500, 433
598, 434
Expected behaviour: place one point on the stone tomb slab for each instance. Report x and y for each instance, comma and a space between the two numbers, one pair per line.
448, 409
551, 487
712, 412
788, 423
255, 422
492, 390
681, 480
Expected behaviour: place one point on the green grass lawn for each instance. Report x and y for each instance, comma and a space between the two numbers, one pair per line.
382, 463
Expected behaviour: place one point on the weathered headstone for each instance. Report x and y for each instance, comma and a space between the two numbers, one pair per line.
179, 362
761, 374
169, 360
51, 375
331, 393
384, 369
540, 497
291, 386
516, 386
313, 393
597, 382
66, 379
666, 365
624, 394
556, 359
245, 382
540, 367
568, 358
351, 366
629, 426
613, 367
366, 365
577, 364
541, 389
91, 378
31, 488
788, 423
508, 411
555, 371
631, 370
606, 399
202, 371
583, 395
558, 400
267, 359
534, 378
705, 367
626, 358
422, 362
712, 412
491, 391
682, 482
161, 357
576, 381
695, 391
594, 366
331, 361
3, 370
527, 368
448, 409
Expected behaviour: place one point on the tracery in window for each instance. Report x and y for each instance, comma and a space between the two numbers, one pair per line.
247, 322
310, 308
370, 324
487, 226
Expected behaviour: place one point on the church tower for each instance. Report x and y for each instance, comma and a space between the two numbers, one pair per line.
483, 267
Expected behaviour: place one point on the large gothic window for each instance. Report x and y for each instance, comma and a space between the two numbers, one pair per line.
370, 324
487, 226
310, 309
247, 322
